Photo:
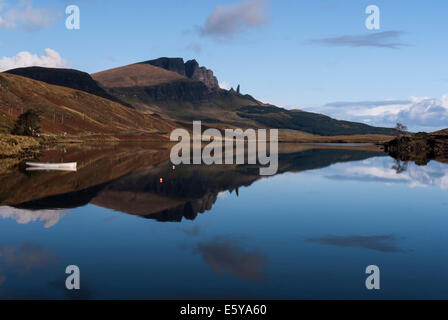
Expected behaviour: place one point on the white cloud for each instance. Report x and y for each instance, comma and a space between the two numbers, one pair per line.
25, 15
51, 59
228, 20
224, 85
418, 113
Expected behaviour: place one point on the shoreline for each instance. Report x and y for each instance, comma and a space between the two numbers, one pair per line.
12, 146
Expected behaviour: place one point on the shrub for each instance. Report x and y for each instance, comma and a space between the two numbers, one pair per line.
28, 124
424, 135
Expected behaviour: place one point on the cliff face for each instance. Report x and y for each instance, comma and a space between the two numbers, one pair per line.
190, 69
180, 91
197, 73
171, 64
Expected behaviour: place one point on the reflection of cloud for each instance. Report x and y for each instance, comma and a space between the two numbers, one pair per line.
378, 243
224, 256
380, 170
193, 231
28, 256
385, 39
22, 261
223, 194
228, 20
49, 217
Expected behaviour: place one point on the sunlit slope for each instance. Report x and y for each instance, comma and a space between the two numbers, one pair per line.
72, 111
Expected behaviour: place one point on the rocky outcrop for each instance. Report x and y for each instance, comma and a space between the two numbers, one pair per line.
420, 149
190, 69
171, 64
197, 73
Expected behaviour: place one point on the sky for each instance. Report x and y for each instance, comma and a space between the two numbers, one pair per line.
314, 55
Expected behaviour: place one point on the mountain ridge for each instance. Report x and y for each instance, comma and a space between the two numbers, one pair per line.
168, 89
185, 99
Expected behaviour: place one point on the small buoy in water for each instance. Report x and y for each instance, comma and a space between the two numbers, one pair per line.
161, 180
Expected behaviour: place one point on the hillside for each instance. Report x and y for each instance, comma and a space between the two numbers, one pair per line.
443, 132
317, 124
69, 78
137, 75
72, 111
163, 86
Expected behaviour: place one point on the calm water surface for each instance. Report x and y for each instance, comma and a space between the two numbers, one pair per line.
223, 232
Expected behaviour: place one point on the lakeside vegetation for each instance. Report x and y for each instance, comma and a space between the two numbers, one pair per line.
420, 148
14, 146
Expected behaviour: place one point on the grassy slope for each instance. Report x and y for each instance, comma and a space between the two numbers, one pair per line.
443, 132
72, 111
136, 75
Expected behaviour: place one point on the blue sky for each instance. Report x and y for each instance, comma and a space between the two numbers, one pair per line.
296, 54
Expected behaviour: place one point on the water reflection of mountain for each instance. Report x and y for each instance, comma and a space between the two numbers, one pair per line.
128, 181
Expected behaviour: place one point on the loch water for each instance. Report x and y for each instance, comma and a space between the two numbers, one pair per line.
139, 228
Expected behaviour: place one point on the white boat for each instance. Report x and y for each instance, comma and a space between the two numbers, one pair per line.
70, 166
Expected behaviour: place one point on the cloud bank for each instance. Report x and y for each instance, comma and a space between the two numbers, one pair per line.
385, 39
225, 256
51, 59
418, 113
25, 15
229, 20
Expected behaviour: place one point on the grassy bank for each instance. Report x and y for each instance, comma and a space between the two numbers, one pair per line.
13, 149
15, 146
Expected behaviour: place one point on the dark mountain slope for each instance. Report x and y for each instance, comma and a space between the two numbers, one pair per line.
69, 78
318, 124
